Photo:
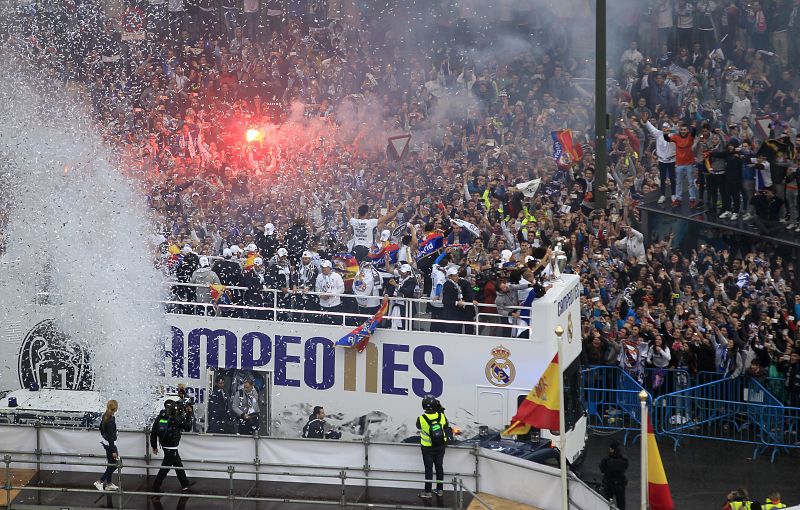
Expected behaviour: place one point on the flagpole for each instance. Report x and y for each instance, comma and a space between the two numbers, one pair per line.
643, 404
562, 433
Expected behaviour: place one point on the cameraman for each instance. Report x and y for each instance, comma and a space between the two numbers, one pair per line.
167, 427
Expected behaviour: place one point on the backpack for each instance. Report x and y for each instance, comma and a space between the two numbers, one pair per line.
436, 431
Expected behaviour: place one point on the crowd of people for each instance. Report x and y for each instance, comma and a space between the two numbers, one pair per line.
257, 131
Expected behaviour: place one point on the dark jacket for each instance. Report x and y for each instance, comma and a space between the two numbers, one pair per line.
229, 272
267, 245
218, 405
450, 296
315, 428
167, 429
613, 468
108, 430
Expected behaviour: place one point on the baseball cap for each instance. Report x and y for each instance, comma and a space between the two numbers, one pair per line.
186, 249
451, 271
227, 253
282, 252
258, 261
251, 247
326, 263
269, 229
385, 235
307, 254
665, 125
405, 268
203, 261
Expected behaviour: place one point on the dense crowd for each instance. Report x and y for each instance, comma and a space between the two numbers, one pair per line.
257, 131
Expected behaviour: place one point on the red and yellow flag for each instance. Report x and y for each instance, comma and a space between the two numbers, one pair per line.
250, 262
540, 408
658, 493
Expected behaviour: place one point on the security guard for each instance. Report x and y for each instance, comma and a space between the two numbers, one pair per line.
738, 500
434, 432
773, 501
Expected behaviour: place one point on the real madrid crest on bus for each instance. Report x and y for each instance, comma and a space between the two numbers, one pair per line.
570, 328
500, 370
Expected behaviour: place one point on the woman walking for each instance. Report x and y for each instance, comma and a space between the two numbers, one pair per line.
108, 431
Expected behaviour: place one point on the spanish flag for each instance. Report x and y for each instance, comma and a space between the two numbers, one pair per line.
540, 407
658, 493
250, 262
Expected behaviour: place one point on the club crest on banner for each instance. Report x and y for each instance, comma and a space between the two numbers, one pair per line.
48, 358
500, 370
570, 328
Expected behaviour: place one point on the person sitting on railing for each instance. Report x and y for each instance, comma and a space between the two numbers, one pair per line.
402, 288
330, 286
279, 277
303, 280
204, 277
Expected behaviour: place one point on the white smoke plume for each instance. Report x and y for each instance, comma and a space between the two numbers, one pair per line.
78, 230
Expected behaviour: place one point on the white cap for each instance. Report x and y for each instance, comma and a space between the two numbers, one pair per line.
528, 258
282, 252
451, 271
186, 249
251, 247
385, 235
258, 261
505, 255
235, 249
227, 253
269, 229
405, 268
307, 254
203, 261
326, 263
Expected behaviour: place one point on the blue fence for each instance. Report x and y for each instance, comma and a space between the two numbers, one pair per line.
742, 410
612, 400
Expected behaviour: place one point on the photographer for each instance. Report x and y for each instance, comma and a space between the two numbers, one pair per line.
167, 427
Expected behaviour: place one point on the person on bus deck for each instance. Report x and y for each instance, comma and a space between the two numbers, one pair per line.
303, 280
317, 427
108, 431
452, 301
434, 432
402, 288
330, 286
219, 408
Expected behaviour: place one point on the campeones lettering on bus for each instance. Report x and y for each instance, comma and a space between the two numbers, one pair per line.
311, 362
569, 298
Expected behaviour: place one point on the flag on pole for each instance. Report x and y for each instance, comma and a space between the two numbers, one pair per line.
658, 494
540, 407
359, 337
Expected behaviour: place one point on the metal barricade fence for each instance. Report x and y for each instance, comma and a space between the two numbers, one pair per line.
612, 399
738, 410
785, 432
660, 381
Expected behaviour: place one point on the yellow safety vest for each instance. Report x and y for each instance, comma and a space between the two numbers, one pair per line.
740, 505
769, 505
424, 428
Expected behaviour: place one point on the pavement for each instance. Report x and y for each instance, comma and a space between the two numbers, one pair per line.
702, 472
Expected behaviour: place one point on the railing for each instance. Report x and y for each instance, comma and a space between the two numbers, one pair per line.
738, 410
612, 400
335, 464
284, 307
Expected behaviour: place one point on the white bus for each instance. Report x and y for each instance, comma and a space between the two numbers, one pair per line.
480, 380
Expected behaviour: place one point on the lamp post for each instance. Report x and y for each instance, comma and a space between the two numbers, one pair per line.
562, 433
643, 404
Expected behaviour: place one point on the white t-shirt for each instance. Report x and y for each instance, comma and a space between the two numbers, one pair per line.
364, 286
363, 231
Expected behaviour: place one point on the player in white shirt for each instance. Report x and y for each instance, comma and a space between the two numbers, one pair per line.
364, 229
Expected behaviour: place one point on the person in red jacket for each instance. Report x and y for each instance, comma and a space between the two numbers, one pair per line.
684, 163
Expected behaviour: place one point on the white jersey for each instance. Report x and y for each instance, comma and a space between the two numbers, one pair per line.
363, 231
364, 287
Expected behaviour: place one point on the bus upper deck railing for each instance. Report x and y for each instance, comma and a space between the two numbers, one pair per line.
290, 307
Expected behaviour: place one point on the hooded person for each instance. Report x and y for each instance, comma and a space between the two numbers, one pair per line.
204, 277
267, 241
279, 277
303, 280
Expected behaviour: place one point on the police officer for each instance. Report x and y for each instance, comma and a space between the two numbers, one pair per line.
613, 468
773, 501
219, 408
167, 429
433, 435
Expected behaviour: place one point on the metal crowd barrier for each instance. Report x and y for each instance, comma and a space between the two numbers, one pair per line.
612, 400
737, 410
